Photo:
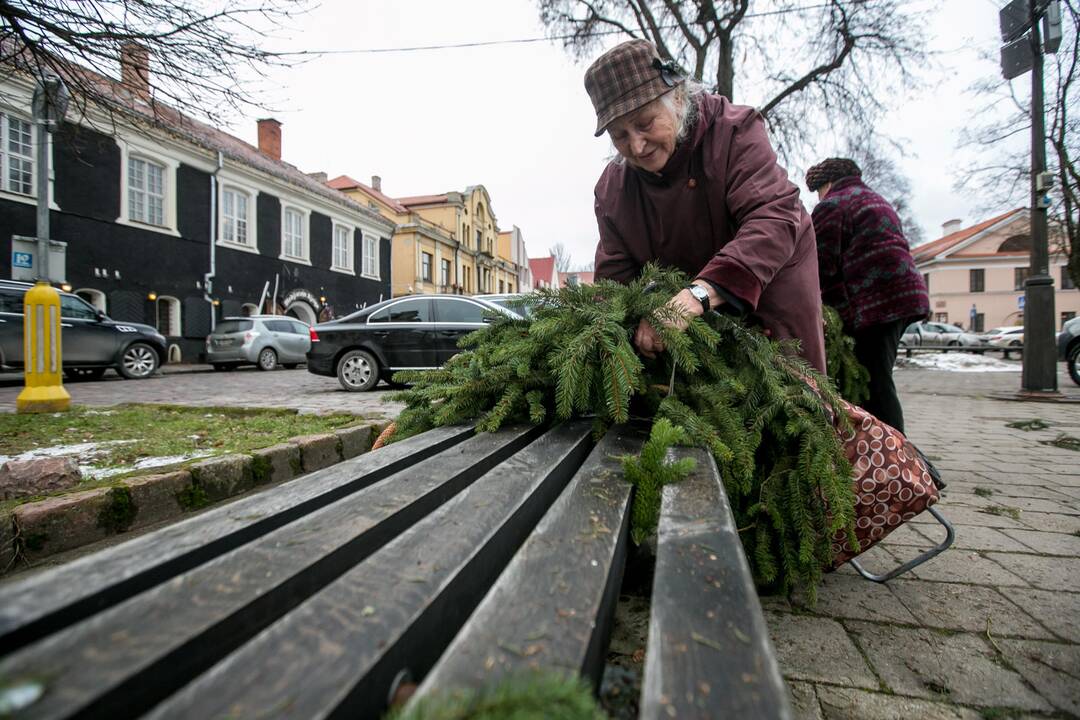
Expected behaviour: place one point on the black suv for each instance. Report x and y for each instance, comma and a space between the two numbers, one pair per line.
92, 343
408, 333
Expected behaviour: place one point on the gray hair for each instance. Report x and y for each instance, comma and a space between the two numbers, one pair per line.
682, 102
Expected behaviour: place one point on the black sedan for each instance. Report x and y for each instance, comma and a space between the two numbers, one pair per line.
416, 332
92, 342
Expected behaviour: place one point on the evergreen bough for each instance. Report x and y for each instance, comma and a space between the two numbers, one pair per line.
851, 379
536, 696
724, 387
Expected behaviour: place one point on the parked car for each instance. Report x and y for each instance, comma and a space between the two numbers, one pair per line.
935, 333
1007, 336
1068, 343
91, 342
514, 302
264, 341
416, 332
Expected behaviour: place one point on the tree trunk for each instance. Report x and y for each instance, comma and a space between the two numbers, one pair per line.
725, 67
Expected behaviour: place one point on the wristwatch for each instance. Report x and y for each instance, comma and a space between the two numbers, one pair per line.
702, 296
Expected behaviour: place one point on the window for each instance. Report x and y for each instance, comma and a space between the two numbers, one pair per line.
406, 311
76, 308
926, 279
11, 302
444, 273
234, 216
1020, 276
458, 311
146, 191
293, 243
502, 286
1066, 281
371, 256
168, 316
425, 266
942, 318
17, 155
343, 244
977, 280
479, 237
1066, 317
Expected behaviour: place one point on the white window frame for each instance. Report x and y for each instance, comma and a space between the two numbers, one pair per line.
373, 256
172, 307
348, 267
170, 165
6, 155
251, 244
304, 258
147, 193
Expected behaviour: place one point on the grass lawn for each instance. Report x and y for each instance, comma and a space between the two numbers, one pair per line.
126, 440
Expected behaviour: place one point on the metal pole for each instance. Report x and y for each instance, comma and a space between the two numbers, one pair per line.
1040, 357
41, 124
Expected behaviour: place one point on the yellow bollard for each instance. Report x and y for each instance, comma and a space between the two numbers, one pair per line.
44, 391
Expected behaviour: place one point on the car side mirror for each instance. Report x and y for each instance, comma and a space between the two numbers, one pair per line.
101, 316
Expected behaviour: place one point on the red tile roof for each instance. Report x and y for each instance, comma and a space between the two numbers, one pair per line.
936, 247
542, 270
344, 182
423, 199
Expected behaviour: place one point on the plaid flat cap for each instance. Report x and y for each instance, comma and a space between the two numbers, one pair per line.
627, 77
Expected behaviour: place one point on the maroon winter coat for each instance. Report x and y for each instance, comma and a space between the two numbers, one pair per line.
723, 210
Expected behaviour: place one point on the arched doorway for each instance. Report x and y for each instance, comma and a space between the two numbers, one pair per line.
249, 309
94, 297
168, 316
301, 310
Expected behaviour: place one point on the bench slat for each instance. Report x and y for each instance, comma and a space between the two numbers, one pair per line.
709, 653
125, 659
337, 654
51, 600
553, 606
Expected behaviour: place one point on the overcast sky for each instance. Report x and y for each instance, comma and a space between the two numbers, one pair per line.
516, 118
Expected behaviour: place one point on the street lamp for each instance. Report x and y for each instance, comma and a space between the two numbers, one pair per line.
43, 362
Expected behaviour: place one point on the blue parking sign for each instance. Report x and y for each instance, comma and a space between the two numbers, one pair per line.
1020, 302
22, 260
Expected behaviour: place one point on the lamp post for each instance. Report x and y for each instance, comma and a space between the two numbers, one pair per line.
43, 360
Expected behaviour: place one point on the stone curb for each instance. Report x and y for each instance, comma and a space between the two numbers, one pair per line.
39, 529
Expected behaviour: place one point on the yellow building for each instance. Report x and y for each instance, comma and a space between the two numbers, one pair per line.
446, 243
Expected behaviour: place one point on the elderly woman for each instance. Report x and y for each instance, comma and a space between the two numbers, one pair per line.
697, 187
867, 274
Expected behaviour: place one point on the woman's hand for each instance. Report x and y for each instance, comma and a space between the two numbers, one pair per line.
684, 305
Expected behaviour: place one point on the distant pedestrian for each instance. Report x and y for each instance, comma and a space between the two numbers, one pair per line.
867, 273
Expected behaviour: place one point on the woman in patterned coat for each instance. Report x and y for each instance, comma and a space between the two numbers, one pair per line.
867, 273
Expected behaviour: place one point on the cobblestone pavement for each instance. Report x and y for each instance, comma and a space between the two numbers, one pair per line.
988, 629
198, 385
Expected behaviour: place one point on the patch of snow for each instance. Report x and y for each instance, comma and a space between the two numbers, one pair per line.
958, 362
83, 450
151, 462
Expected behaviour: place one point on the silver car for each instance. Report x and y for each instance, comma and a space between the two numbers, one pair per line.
261, 340
938, 334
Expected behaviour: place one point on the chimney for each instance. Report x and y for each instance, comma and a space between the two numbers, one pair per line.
270, 138
135, 69
320, 176
376, 183
950, 226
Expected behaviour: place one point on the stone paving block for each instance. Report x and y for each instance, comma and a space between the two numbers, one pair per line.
1050, 522
942, 666
1048, 573
776, 603
1048, 543
1058, 611
973, 608
804, 702
849, 704
908, 534
984, 538
354, 440
964, 566
1071, 492
1040, 505
817, 649
223, 477
155, 496
851, 596
1028, 491
60, 523
276, 463
317, 451
877, 560
1053, 669
959, 515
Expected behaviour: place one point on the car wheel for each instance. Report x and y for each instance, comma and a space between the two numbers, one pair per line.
1073, 362
1015, 343
290, 366
267, 359
138, 361
954, 343
357, 371
83, 374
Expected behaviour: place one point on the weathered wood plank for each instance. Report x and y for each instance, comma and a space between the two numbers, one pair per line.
337, 654
709, 653
117, 664
553, 606
45, 603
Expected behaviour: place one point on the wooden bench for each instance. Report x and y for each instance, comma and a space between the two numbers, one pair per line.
451, 557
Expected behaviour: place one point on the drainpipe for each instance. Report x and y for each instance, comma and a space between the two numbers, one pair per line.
208, 278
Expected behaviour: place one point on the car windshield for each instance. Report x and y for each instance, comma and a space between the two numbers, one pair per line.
226, 327
520, 304
952, 329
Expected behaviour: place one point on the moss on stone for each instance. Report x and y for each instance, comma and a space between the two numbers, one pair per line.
261, 469
295, 465
35, 541
118, 512
192, 497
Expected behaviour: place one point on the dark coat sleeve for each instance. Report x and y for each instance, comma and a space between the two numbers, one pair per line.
766, 210
829, 230
613, 260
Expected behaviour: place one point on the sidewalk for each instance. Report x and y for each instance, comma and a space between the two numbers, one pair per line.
990, 628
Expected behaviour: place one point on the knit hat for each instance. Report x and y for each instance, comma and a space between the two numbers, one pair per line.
829, 170
627, 77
